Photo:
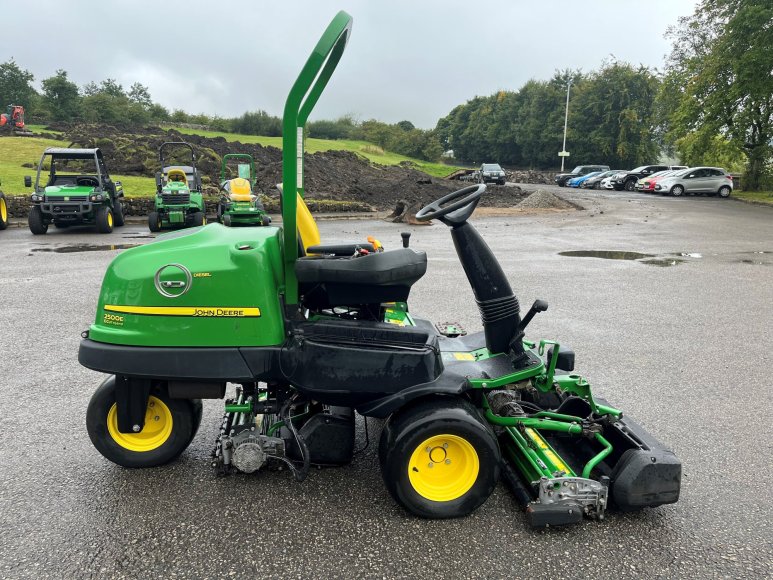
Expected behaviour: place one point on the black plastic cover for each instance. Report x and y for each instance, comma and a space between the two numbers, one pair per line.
329, 436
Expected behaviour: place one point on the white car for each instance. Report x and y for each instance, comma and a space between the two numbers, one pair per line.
606, 183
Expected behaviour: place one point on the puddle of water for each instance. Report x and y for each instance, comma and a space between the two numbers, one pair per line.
689, 254
663, 262
138, 236
606, 255
755, 262
86, 248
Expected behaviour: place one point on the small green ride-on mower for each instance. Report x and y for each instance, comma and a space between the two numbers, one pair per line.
179, 201
78, 190
239, 204
313, 333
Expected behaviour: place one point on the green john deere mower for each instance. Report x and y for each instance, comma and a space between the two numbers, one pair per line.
179, 200
239, 202
312, 333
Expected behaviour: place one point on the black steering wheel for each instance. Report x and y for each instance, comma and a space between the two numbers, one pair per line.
460, 206
87, 180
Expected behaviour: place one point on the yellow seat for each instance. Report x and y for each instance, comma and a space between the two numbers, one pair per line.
239, 189
307, 227
176, 175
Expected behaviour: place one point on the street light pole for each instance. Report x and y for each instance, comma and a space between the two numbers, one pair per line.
566, 119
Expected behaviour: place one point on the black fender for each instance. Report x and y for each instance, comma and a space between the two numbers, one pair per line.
447, 384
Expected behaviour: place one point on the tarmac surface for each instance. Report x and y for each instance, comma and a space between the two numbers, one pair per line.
682, 343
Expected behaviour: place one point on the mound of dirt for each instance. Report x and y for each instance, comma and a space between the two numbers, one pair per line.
330, 175
542, 199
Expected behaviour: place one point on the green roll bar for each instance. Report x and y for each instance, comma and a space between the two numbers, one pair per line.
300, 102
247, 156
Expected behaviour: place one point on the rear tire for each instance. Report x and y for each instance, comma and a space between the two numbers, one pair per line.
3, 212
37, 225
104, 220
677, 191
118, 214
448, 434
154, 222
170, 425
724, 191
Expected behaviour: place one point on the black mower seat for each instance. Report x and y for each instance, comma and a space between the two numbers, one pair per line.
327, 281
339, 249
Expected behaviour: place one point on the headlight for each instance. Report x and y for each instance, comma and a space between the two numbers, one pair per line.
36, 197
96, 197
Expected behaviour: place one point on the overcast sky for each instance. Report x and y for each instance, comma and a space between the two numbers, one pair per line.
407, 59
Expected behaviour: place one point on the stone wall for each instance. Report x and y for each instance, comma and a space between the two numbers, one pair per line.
19, 205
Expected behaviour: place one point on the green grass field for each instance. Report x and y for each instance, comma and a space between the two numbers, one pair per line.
367, 150
765, 197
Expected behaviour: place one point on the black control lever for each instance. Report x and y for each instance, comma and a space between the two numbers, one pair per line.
538, 306
406, 238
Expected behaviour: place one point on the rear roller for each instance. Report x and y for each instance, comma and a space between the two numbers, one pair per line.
170, 425
438, 458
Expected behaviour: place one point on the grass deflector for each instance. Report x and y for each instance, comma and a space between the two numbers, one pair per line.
312, 332
179, 201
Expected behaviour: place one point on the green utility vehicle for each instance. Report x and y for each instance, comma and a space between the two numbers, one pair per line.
239, 203
312, 333
179, 200
76, 189
3, 211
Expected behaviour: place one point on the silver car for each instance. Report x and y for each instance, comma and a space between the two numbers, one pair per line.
700, 180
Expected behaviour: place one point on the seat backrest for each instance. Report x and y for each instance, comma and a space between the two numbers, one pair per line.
307, 227
239, 189
177, 175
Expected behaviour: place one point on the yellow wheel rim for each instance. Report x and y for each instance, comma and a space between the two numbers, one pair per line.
443, 468
110, 219
3, 210
157, 429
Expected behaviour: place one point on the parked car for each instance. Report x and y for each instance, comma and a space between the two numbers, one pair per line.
595, 181
627, 179
492, 173
647, 184
697, 180
606, 183
562, 178
578, 181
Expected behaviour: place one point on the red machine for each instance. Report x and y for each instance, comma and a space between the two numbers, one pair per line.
13, 120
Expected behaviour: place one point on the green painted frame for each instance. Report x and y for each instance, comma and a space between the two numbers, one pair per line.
304, 94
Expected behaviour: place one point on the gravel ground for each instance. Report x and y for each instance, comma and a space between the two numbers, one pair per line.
683, 349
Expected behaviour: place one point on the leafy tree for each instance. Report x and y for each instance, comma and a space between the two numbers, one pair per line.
719, 83
612, 116
61, 97
16, 85
112, 87
406, 125
139, 94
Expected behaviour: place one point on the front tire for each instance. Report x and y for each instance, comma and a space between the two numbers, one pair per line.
3, 212
104, 220
37, 225
199, 219
154, 222
227, 220
118, 216
170, 425
630, 185
439, 459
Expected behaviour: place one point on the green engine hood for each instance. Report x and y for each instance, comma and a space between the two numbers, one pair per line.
194, 288
175, 187
67, 190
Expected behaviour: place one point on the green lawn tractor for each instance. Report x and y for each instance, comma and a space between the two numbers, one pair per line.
3, 211
179, 201
239, 203
76, 189
311, 333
